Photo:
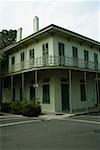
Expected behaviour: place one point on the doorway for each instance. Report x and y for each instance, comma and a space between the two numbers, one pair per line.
65, 96
98, 92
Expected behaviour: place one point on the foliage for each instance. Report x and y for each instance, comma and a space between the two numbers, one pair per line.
26, 108
31, 108
6, 107
7, 37
16, 107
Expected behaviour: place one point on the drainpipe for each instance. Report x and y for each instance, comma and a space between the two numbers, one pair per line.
12, 87
36, 84
0, 86
97, 89
70, 90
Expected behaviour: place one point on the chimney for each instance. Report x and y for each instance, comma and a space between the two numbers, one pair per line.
35, 24
19, 35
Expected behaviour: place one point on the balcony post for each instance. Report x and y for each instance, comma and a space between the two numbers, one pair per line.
85, 79
97, 94
70, 90
23, 86
1, 89
12, 88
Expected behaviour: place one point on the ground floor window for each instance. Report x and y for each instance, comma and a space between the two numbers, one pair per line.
13, 94
32, 92
46, 91
82, 90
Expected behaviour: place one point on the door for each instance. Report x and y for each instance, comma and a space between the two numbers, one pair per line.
98, 92
65, 96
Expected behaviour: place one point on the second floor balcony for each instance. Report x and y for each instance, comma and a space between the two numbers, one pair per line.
53, 61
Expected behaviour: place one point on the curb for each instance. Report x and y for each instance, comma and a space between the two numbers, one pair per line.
85, 113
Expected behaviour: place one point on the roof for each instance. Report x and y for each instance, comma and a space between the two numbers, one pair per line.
52, 29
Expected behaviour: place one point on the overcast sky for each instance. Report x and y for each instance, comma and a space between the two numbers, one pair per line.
81, 16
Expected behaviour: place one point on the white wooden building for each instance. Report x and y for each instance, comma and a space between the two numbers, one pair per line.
59, 67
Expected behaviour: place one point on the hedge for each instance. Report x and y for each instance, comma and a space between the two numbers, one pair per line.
26, 108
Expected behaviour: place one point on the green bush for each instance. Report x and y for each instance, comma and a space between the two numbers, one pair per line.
16, 107
31, 108
5, 107
26, 108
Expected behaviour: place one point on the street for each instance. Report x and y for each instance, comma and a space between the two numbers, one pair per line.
68, 133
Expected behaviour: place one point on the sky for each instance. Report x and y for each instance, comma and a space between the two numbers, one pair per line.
80, 16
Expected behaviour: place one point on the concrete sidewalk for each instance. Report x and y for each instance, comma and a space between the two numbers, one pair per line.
49, 116
8, 115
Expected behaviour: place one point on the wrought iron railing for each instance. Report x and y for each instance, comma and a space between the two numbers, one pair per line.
53, 61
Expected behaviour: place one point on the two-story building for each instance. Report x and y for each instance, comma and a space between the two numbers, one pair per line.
57, 66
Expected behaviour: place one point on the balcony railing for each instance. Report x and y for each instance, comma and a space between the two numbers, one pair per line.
53, 61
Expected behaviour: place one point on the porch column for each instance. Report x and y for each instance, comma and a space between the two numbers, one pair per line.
0, 83
12, 88
85, 79
97, 84
23, 87
1, 89
36, 84
70, 90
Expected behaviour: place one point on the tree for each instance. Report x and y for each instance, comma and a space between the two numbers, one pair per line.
7, 38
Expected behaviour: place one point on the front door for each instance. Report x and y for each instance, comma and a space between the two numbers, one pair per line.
65, 96
98, 92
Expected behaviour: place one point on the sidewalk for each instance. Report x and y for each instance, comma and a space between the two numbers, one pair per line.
49, 116
6, 115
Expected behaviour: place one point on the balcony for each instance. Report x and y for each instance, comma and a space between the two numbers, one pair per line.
53, 61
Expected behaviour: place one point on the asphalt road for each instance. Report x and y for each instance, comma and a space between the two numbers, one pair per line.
51, 135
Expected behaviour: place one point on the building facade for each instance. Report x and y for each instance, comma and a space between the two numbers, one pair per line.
56, 66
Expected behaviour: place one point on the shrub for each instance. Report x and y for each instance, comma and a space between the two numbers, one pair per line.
26, 108
31, 108
5, 107
16, 107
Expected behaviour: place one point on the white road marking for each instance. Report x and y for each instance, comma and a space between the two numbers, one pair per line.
18, 122
4, 119
84, 121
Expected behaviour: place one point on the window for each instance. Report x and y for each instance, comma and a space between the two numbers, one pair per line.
22, 56
95, 61
86, 55
46, 92
61, 51
32, 92
45, 48
61, 48
86, 58
82, 90
75, 52
13, 60
31, 54
6, 83
64, 80
75, 56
